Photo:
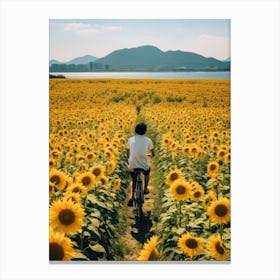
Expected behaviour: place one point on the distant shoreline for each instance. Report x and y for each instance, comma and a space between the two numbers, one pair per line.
145, 74
144, 71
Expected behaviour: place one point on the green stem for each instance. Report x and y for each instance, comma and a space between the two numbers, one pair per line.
179, 213
82, 240
221, 230
217, 191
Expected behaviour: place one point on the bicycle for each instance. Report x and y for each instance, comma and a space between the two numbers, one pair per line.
138, 193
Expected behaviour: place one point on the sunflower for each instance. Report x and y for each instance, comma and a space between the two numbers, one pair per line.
82, 147
215, 134
227, 157
104, 180
197, 192
221, 153
150, 251
51, 189
87, 180
111, 166
55, 153
219, 211
210, 197
80, 158
186, 150
52, 162
97, 171
66, 216
217, 249
109, 154
173, 175
90, 157
60, 247
180, 190
58, 178
77, 188
201, 154
190, 245
193, 149
75, 197
224, 147
117, 184
213, 168
166, 140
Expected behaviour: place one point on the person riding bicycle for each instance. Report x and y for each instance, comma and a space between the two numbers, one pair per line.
138, 148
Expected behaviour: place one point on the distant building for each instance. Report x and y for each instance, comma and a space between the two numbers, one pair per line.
97, 66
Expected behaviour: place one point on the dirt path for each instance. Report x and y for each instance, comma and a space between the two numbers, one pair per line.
136, 235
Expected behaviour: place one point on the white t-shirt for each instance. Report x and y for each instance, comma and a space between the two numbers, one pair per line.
139, 146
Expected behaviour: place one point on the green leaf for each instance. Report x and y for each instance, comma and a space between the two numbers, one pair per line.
180, 231
80, 256
95, 222
86, 233
95, 214
97, 248
95, 231
92, 198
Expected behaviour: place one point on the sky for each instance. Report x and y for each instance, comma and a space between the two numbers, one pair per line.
72, 38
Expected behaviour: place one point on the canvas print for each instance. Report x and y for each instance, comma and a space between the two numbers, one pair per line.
139, 140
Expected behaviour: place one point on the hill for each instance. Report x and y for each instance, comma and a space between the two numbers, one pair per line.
82, 60
143, 58
153, 59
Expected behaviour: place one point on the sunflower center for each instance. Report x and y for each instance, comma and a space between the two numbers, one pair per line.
219, 248
174, 176
76, 190
96, 172
72, 199
221, 210
191, 243
86, 181
55, 179
154, 255
212, 167
66, 217
50, 188
180, 190
56, 252
90, 156
197, 194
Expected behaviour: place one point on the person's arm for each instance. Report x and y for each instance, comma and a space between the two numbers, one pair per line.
152, 152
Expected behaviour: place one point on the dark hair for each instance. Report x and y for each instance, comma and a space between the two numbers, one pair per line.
141, 128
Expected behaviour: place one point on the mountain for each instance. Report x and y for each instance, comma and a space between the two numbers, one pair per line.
78, 60
53, 61
150, 58
82, 60
143, 58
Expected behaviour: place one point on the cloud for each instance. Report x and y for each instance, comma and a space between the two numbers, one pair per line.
83, 28
76, 26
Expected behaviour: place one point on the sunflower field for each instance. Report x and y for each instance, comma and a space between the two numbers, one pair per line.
90, 121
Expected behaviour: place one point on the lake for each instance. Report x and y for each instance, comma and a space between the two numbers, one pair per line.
155, 75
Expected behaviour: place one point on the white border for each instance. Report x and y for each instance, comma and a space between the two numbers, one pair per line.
255, 138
